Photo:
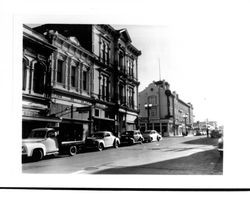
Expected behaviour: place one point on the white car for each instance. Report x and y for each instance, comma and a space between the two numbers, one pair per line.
102, 139
41, 142
151, 135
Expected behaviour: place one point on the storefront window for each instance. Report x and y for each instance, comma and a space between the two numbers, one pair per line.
39, 78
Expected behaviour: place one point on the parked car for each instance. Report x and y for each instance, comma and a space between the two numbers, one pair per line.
220, 146
131, 137
215, 134
49, 141
151, 135
102, 139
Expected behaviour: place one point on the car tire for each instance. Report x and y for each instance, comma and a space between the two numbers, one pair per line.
116, 144
100, 146
72, 150
150, 139
221, 153
37, 155
158, 138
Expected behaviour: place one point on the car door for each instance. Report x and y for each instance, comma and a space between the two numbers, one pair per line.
108, 140
51, 142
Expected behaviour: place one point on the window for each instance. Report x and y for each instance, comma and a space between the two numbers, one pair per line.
121, 61
84, 80
25, 64
104, 87
153, 111
152, 100
39, 78
107, 55
73, 76
130, 67
105, 52
121, 94
59, 71
97, 112
131, 97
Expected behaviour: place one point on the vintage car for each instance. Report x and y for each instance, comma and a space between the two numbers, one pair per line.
131, 137
151, 135
41, 142
220, 146
102, 139
50, 141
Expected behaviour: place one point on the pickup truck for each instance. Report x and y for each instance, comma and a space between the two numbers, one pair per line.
48, 141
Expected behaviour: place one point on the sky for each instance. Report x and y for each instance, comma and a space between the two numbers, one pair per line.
189, 57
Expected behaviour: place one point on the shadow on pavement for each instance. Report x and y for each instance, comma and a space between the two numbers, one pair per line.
203, 141
202, 163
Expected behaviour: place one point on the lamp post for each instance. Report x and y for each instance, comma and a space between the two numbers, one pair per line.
148, 106
185, 122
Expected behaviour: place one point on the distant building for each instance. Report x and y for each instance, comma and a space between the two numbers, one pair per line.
204, 125
169, 116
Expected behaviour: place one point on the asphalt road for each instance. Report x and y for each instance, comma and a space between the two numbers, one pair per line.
193, 155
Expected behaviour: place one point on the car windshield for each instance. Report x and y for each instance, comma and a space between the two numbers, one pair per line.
38, 133
98, 135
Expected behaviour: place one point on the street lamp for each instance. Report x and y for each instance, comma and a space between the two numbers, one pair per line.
148, 107
185, 119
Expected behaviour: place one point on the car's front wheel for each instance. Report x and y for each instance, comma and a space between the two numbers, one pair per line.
37, 155
158, 138
72, 150
100, 146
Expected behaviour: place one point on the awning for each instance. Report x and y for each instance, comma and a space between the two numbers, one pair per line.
44, 119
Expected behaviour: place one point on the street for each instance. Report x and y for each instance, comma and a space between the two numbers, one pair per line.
194, 155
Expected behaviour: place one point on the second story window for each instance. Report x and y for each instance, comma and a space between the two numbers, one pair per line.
59, 71
39, 78
131, 97
84, 80
104, 87
121, 94
121, 61
25, 64
73, 76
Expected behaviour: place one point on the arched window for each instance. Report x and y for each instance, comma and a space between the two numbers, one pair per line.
25, 65
39, 78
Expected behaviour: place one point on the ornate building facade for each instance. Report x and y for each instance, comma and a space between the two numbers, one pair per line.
93, 83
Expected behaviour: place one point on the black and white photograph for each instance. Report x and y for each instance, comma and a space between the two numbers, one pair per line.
129, 95
82, 95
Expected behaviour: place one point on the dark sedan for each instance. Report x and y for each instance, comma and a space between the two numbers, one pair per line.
131, 137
